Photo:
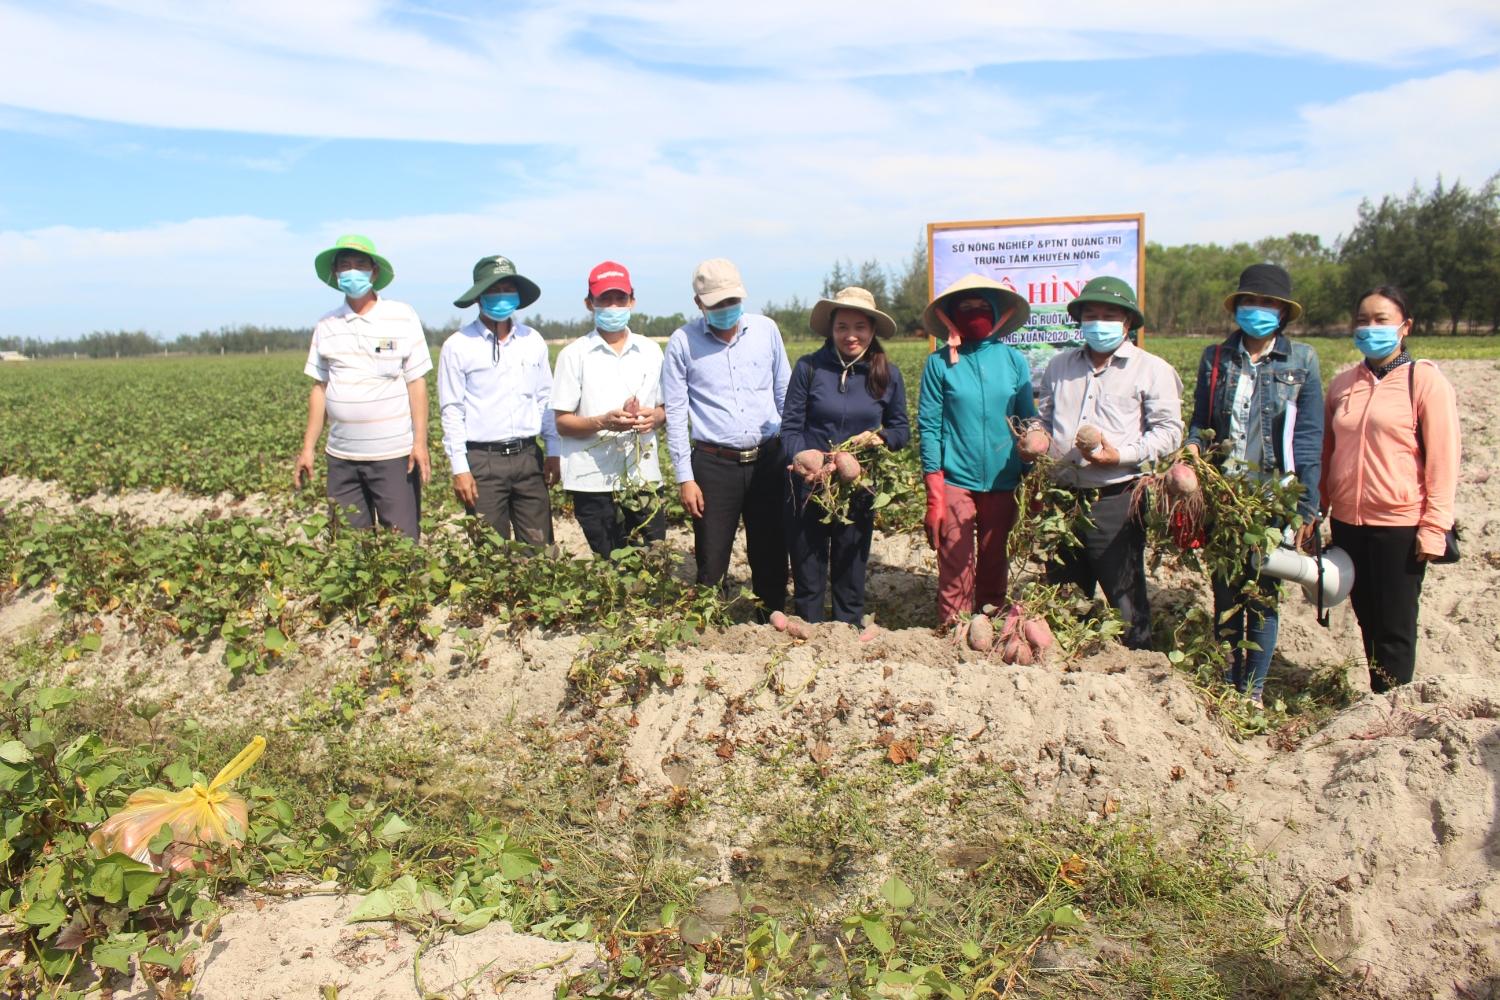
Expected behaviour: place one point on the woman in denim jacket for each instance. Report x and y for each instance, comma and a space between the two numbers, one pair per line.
1266, 405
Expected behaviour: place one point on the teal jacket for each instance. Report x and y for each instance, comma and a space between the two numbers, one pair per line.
962, 413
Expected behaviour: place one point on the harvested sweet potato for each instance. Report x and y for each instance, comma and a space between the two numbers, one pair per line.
1036, 441
1088, 439
779, 621
981, 633
847, 466
810, 464
1024, 656
1038, 633
1180, 480
632, 406
1009, 651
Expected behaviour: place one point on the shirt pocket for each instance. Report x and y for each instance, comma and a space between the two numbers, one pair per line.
754, 373
1288, 384
387, 366
1118, 413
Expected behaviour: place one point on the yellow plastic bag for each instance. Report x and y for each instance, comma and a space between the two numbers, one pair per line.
198, 815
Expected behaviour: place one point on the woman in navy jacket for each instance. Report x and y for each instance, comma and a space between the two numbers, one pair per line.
847, 390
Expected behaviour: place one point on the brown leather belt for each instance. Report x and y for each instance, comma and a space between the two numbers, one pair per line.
744, 456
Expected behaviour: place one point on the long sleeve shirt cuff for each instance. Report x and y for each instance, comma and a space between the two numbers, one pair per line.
459, 463
1432, 541
1130, 456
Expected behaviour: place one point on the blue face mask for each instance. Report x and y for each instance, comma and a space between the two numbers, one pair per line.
355, 284
611, 319
499, 307
1102, 335
725, 317
1377, 342
1258, 321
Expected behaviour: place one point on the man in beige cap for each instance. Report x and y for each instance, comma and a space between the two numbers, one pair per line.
724, 383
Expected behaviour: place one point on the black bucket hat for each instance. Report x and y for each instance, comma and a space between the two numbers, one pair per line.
1271, 281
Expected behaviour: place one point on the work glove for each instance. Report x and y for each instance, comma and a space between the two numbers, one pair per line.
936, 501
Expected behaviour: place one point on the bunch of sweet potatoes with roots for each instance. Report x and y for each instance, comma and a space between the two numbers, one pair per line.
1014, 634
1175, 495
835, 476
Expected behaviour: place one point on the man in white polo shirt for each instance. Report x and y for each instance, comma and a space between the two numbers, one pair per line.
605, 395
368, 359
495, 393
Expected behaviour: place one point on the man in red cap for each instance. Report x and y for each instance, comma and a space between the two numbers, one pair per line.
607, 399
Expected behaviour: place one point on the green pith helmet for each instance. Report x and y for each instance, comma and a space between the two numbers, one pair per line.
323, 262
1106, 291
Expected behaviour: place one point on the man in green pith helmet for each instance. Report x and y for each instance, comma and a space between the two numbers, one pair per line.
368, 360
495, 397
1109, 407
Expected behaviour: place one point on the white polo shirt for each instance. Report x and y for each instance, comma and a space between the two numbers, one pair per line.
590, 380
367, 360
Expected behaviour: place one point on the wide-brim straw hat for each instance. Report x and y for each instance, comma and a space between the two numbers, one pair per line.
1267, 280
854, 298
323, 262
492, 269
1010, 299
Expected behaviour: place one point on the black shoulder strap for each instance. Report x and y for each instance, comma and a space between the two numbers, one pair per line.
1411, 391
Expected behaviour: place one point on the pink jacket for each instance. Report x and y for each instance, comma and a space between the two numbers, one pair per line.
1373, 472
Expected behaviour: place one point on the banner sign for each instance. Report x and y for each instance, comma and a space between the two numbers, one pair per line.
1046, 260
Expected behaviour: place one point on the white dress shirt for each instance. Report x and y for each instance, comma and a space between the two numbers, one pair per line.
492, 389
592, 379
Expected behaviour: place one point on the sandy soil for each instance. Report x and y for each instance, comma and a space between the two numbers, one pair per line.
1381, 831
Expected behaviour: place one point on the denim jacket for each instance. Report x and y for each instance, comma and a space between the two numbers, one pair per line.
1289, 373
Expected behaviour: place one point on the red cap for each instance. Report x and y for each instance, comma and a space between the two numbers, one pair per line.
609, 276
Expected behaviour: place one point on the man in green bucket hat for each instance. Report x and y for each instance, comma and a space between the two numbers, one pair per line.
1109, 407
495, 394
368, 361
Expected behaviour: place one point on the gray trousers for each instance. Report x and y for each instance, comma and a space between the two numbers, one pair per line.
383, 489
513, 494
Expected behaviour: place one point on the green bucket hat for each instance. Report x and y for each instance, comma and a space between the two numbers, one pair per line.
1108, 292
323, 263
492, 269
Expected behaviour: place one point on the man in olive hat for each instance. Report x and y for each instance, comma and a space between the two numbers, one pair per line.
494, 394
1109, 406
368, 360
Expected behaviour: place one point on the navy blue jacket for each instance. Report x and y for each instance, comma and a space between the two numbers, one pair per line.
1290, 374
817, 415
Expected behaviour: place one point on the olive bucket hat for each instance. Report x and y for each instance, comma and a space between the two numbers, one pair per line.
492, 269
323, 262
1106, 291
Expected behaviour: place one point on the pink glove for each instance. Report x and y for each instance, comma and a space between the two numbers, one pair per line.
933, 522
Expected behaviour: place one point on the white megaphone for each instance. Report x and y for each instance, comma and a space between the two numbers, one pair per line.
1297, 567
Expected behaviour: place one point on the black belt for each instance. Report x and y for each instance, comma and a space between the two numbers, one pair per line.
1113, 489
512, 447
743, 456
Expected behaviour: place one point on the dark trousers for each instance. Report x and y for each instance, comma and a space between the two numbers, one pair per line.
1387, 586
751, 492
608, 525
823, 553
383, 489
1113, 556
513, 493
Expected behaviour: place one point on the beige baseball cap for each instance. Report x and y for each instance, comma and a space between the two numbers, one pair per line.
717, 279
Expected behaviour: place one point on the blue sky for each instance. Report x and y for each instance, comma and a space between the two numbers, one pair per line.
175, 166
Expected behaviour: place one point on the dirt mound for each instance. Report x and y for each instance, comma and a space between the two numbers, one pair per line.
1383, 837
268, 949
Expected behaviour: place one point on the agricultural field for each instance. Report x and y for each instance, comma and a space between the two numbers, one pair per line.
539, 775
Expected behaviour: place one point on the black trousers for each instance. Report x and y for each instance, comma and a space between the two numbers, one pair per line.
828, 553
1387, 587
608, 526
383, 489
751, 492
1113, 556
513, 493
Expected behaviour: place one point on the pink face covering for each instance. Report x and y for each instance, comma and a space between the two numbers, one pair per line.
974, 322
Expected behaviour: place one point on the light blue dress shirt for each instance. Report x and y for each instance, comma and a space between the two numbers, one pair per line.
731, 393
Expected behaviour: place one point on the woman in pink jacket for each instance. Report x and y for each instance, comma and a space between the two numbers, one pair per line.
1390, 472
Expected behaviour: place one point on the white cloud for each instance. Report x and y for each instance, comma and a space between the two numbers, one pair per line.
790, 164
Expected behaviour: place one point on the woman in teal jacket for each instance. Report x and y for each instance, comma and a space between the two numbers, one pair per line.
972, 384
